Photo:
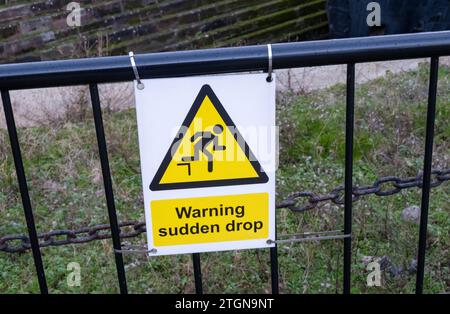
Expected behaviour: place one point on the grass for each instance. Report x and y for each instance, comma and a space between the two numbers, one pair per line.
66, 189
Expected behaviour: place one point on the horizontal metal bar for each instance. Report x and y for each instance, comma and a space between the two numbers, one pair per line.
310, 234
224, 60
135, 250
298, 237
313, 238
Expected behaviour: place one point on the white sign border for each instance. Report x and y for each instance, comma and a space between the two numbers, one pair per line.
255, 90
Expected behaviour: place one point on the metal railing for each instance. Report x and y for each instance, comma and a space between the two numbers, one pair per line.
94, 71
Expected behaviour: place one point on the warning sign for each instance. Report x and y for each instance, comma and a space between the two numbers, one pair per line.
208, 151
207, 147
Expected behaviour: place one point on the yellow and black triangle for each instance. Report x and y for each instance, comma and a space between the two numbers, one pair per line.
208, 151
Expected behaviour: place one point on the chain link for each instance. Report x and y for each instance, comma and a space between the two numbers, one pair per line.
297, 202
21, 243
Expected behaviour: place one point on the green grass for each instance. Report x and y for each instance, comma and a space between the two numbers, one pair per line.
66, 189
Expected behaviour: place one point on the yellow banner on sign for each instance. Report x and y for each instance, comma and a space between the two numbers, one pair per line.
210, 219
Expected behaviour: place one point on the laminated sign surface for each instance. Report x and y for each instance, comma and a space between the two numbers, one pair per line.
207, 147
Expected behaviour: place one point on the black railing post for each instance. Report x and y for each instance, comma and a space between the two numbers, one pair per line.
274, 269
349, 129
426, 181
197, 273
107, 182
23, 186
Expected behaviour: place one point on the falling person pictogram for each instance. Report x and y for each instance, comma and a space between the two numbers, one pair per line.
193, 159
204, 140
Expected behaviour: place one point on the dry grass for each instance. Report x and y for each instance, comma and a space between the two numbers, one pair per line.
65, 182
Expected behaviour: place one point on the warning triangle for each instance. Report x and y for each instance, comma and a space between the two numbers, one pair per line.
208, 151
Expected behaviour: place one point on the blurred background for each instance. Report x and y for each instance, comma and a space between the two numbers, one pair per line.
38, 29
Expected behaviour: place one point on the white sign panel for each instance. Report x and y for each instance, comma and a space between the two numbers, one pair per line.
208, 150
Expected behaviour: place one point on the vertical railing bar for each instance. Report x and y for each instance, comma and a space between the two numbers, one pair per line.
103, 153
197, 273
349, 130
274, 269
426, 180
24, 193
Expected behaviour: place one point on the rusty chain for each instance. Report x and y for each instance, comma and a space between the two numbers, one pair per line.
296, 202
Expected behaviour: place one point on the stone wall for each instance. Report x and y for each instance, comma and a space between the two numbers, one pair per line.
37, 30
